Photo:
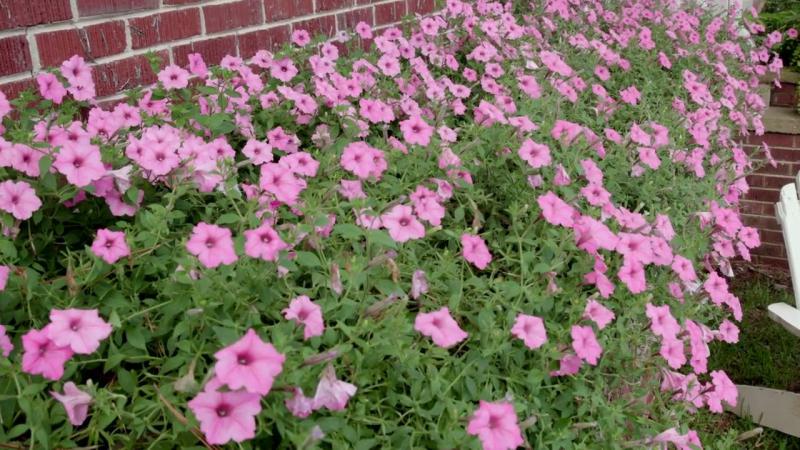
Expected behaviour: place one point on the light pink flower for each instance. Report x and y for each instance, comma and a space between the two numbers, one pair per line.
41, 356
76, 402
213, 245
5, 342
298, 404
495, 424
416, 131
282, 183
18, 199
173, 77
536, 155
419, 284
110, 246
263, 242
585, 344
258, 152
79, 329
4, 272
402, 224
555, 210
50, 88
440, 326
531, 330
249, 363
598, 313
332, 393
475, 251
81, 164
307, 313
226, 416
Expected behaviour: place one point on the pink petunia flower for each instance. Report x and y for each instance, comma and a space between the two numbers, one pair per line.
475, 251
282, 183
416, 131
495, 424
75, 401
585, 344
673, 351
304, 312
5, 342
332, 393
173, 77
263, 242
402, 224
598, 313
419, 284
531, 330
662, 323
50, 87
249, 363
213, 245
5, 271
226, 416
41, 356
555, 210
298, 404
110, 246
81, 164
18, 199
440, 326
536, 155
79, 329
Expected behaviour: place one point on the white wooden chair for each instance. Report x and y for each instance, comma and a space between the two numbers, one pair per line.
774, 408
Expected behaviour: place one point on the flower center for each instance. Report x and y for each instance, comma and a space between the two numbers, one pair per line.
210, 242
243, 359
77, 163
266, 238
109, 243
74, 325
404, 222
223, 410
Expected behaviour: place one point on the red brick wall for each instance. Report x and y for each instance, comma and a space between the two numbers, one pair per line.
758, 207
114, 35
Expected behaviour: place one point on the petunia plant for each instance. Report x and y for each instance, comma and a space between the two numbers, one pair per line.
507, 224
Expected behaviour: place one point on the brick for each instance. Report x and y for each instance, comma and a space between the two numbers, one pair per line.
14, 88
213, 50
756, 208
14, 55
230, 16
771, 250
319, 25
421, 6
774, 263
181, 2
761, 222
26, 13
390, 12
269, 39
786, 95
285, 9
113, 77
97, 7
330, 5
164, 27
95, 41
782, 168
348, 20
771, 237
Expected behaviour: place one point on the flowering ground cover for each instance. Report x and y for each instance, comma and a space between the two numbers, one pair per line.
507, 225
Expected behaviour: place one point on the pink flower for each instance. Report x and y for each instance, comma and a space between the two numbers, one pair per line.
26, 159
568, 365
632, 274
226, 416
283, 70
212, 245
673, 351
402, 225
363, 161
76, 71
75, 401
536, 155
598, 313
18, 199
661, 321
351, 189
282, 183
416, 131
724, 391
440, 326
173, 77
475, 251
79, 329
585, 344
263, 242
419, 284
196, 65
555, 210
42, 356
258, 152
249, 363
332, 393
683, 267
81, 164
301, 38
50, 88
630, 95
728, 332
298, 404
110, 246
5, 342
531, 330
495, 424
307, 313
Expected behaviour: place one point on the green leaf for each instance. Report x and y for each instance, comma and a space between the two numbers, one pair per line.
381, 238
136, 338
348, 231
45, 163
308, 259
228, 219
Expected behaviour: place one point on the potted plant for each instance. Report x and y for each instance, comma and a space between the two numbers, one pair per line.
784, 16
